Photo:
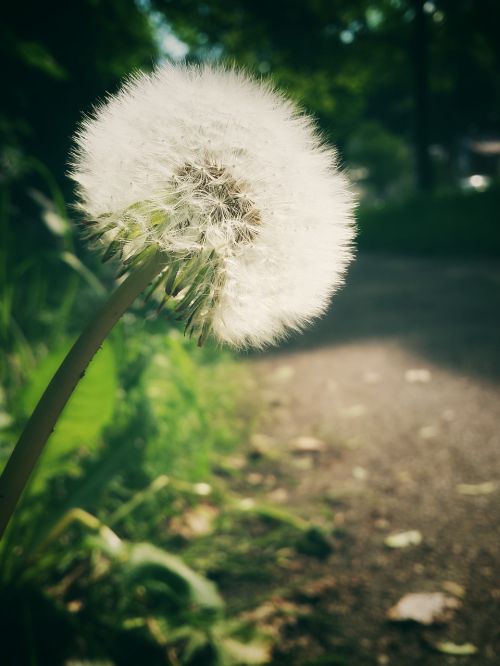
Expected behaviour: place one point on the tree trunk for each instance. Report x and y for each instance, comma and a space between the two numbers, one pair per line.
420, 45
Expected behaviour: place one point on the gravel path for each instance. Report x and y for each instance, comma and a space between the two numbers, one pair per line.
400, 387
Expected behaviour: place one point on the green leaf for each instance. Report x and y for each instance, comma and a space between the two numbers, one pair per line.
146, 562
89, 409
35, 54
57, 223
72, 260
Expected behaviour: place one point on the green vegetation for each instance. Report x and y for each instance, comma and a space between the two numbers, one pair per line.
454, 223
128, 527
87, 557
107, 551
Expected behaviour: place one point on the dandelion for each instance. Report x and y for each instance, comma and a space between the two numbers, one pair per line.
233, 184
214, 188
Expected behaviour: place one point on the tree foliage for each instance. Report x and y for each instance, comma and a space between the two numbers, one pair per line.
347, 62
354, 62
57, 60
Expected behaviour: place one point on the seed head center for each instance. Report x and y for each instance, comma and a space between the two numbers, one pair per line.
219, 201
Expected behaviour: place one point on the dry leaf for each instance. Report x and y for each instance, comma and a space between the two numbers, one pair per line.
424, 607
246, 504
453, 588
261, 444
360, 473
283, 373
418, 376
304, 463
404, 539
428, 432
317, 588
278, 495
195, 522
307, 444
235, 462
202, 489
354, 411
472, 489
254, 478
458, 650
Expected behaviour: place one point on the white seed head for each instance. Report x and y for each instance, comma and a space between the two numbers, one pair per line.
233, 183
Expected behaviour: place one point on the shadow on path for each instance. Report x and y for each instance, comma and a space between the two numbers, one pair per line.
446, 310
390, 453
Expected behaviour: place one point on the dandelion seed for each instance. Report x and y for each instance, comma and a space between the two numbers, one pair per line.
231, 182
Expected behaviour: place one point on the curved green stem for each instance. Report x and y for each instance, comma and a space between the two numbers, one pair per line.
43, 420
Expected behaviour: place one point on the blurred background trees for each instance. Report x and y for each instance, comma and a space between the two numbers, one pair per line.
58, 59
425, 73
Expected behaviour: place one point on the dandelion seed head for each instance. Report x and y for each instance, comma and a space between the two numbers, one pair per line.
233, 183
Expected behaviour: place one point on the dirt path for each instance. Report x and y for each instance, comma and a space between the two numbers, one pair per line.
400, 387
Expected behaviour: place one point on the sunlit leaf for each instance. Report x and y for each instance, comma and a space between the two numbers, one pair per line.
56, 223
89, 409
146, 562
235, 653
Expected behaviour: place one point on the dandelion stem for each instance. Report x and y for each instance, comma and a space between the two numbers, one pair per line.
43, 420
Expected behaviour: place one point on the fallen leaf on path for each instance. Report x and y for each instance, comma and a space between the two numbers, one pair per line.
404, 539
458, 650
381, 523
283, 373
354, 411
484, 488
278, 495
195, 522
307, 444
360, 473
317, 588
304, 464
418, 376
343, 494
235, 462
424, 607
261, 444
202, 489
246, 504
254, 478
276, 615
428, 432
453, 588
